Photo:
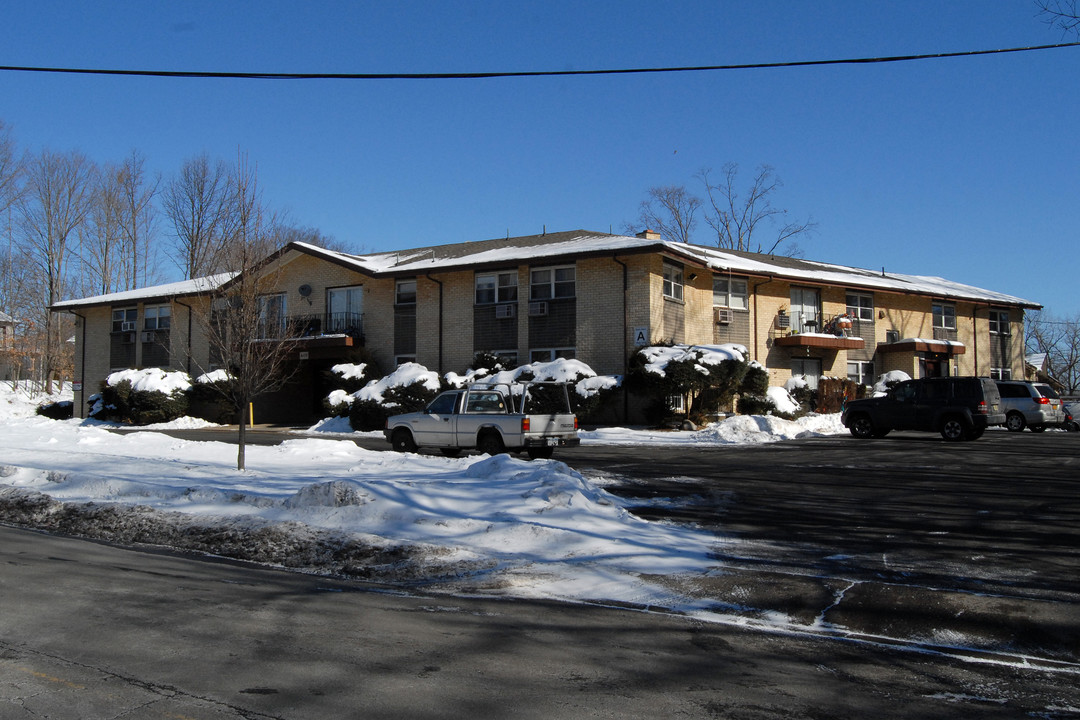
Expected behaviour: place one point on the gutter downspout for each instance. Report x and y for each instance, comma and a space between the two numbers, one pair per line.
440, 284
625, 324
82, 365
763, 282
190, 310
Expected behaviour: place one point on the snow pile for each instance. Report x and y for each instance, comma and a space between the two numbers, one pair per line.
350, 371
152, 380
736, 430
782, 400
18, 401
499, 524
658, 356
893, 376
214, 376
406, 374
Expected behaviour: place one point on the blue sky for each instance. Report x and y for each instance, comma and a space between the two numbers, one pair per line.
965, 168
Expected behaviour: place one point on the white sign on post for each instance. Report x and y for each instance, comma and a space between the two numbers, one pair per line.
641, 336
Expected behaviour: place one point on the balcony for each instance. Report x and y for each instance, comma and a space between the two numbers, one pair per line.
330, 329
821, 340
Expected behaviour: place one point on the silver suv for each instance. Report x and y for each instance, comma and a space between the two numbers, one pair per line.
1030, 404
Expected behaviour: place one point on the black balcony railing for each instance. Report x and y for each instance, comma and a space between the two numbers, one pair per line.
309, 326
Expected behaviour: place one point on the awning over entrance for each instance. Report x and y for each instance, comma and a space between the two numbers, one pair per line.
945, 347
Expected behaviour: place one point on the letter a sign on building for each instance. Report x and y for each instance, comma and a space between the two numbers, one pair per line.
641, 336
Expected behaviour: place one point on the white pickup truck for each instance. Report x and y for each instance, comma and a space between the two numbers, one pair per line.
491, 419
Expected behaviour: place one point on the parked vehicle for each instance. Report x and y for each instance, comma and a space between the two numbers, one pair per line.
1072, 410
492, 420
960, 408
1033, 405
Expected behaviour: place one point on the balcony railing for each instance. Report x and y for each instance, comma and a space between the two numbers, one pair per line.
312, 326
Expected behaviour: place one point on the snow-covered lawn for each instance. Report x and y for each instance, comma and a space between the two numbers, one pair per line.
320, 503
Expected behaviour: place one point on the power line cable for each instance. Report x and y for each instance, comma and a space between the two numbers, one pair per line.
526, 73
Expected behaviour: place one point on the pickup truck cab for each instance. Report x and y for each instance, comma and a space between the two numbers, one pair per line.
490, 419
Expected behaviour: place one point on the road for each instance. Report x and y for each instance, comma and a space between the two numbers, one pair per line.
91, 632
930, 580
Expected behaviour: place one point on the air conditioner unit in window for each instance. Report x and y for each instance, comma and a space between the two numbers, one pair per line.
148, 336
127, 326
505, 311
128, 338
892, 336
783, 320
537, 308
722, 316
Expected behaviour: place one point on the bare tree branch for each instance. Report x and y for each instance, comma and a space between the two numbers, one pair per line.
1061, 14
670, 211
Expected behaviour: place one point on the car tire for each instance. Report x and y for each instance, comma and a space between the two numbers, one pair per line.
490, 444
1015, 422
402, 441
862, 427
975, 433
542, 453
954, 429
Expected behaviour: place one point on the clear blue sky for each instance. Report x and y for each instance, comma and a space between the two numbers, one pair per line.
966, 168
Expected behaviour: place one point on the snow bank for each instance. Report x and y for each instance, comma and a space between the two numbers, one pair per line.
406, 374
782, 400
152, 380
658, 356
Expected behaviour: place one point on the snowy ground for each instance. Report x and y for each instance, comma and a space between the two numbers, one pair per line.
322, 504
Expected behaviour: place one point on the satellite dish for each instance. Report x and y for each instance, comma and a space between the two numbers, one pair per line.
305, 290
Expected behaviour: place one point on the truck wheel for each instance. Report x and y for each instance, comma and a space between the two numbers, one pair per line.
541, 453
954, 428
861, 426
490, 444
1015, 422
402, 441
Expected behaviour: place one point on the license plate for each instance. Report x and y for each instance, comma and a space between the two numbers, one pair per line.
553, 441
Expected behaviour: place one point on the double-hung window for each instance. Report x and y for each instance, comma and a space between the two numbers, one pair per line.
124, 319
553, 283
999, 322
405, 293
944, 316
860, 306
673, 281
157, 318
496, 288
730, 292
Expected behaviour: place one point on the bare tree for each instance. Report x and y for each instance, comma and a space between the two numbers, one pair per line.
197, 202
137, 220
1061, 14
59, 193
10, 169
100, 238
738, 221
1059, 339
670, 211
243, 320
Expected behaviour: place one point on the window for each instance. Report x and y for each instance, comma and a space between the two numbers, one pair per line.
406, 292
861, 372
1001, 374
729, 292
124, 319
272, 314
999, 322
809, 369
944, 316
548, 283
345, 308
496, 288
673, 281
445, 404
549, 354
860, 307
157, 318
805, 310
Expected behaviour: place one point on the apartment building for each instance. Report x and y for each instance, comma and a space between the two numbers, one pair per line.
578, 294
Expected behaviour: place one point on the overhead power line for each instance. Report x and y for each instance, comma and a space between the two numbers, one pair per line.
527, 73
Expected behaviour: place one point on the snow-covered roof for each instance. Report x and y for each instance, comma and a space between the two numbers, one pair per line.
5, 318
565, 246
176, 289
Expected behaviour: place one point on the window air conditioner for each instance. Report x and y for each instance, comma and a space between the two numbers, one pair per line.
148, 336
537, 309
128, 338
505, 311
127, 326
722, 316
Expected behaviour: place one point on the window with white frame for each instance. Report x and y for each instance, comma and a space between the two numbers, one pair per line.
496, 288
405, 293
549, 354
944, 316
861, 372
673, 281
860, 306
999, 322
730, 292
124, 319
553, 283
157, 318
1001, 373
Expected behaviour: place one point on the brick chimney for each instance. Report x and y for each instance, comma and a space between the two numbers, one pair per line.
648, 234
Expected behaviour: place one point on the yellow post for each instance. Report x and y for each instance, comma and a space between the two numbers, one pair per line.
251, 413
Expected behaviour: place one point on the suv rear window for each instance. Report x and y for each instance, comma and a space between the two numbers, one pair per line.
1047, 391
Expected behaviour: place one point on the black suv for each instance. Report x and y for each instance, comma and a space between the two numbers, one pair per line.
960, 408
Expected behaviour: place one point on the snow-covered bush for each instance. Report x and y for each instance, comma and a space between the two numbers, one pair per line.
408, 389
60, 410
207, 398
589, 392
889, 380
143, 397
775, 401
